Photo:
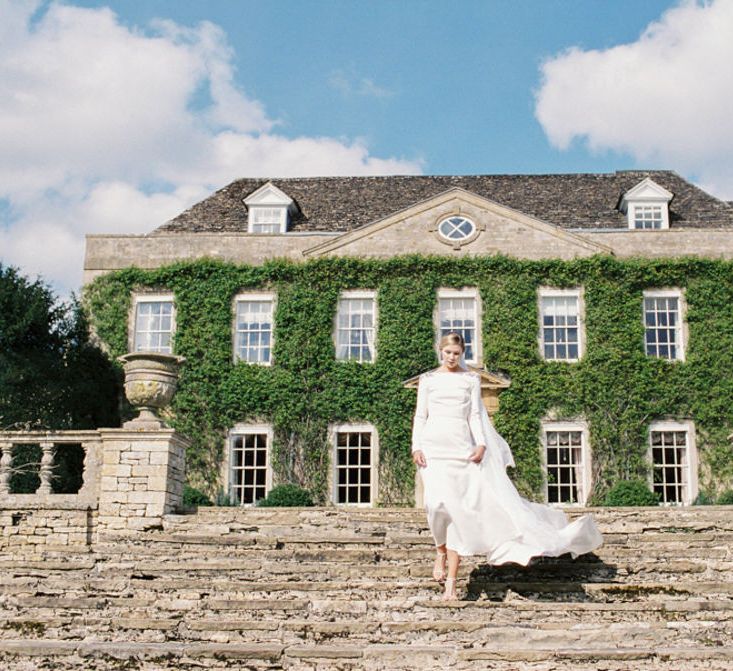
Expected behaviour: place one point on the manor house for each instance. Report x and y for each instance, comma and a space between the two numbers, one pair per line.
507, 260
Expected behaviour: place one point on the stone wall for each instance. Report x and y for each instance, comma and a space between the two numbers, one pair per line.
45, 526
143, 473
132, 477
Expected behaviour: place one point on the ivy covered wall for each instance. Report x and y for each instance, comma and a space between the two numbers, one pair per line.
616, 388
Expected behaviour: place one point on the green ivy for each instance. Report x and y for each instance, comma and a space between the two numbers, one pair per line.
615, 387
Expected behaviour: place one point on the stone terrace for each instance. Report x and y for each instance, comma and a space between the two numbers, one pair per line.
327, 588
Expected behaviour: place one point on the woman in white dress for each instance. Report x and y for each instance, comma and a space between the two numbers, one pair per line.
472, 506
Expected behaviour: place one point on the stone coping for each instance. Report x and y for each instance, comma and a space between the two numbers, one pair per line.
30, 502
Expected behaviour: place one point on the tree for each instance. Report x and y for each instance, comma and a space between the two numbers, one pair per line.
51, 375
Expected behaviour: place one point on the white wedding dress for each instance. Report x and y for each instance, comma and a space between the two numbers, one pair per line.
475, 509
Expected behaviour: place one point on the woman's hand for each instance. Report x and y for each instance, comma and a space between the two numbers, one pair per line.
419, 458
478, 454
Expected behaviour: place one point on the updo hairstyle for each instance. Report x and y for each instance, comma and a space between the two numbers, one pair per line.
452, 338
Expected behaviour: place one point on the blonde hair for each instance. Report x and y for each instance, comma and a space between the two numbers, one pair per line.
452, 338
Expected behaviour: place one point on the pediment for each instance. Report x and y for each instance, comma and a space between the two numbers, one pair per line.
500, 230
647, 191
268, 194
488, 380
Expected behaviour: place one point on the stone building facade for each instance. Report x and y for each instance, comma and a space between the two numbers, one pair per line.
622, 215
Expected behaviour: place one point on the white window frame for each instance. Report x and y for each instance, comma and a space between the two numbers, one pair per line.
552, 292
357, 294
227, 465
445, 293
280, 223
690, 490
157, 297
639, 212
646, 193
268, 196
585, 482
354, 427
681, 327
252, 297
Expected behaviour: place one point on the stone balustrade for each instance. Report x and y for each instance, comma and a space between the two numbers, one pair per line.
131, 477
52, 444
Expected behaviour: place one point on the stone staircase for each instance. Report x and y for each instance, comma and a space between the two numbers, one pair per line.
326, 588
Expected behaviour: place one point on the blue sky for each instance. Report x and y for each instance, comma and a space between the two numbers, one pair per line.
120, 114
449, 83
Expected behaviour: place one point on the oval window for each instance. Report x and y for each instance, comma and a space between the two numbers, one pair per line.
456, 229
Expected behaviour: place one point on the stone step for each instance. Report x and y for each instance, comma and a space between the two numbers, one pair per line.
560, 632
65, 654
361, 594
390, 538
224, 575
514, 609
608, 519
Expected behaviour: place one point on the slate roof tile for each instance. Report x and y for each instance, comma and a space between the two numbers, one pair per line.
339, 204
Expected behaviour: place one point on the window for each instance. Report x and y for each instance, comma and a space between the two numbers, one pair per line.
646, 206
648, 216
674, 462
567, 463
253, 333
456, 228
356, 326
560, 324
355, 460
663, 332
458, 310
154, 323
266, 219
249, 463
269, 210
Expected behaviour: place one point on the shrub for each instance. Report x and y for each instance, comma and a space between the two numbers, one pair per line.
286, 496
193, 497
631, 493
703, 499
726, 498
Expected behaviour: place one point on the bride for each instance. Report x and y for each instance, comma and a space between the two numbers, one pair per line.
472, 506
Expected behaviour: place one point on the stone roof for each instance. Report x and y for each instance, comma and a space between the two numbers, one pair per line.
575, 201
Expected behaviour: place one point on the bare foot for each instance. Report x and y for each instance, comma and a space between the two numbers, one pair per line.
450, 590
439, 566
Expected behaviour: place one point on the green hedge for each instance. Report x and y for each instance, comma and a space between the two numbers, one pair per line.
615, 387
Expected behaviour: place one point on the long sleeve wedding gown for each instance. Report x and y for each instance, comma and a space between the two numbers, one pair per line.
472, 508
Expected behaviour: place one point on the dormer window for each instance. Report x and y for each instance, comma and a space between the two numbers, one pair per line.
648, 216
267, 219
646, 206
269, 210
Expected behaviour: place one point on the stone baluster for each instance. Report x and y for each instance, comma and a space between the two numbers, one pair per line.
46, 468
5, 462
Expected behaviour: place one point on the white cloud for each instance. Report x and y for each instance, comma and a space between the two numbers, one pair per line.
94, 112
350, 86
665, 99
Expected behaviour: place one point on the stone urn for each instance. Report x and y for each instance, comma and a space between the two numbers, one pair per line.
150, 382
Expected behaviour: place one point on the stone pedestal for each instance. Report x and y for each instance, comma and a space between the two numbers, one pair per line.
143, 471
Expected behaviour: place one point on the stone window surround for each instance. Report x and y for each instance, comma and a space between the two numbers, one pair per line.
242, 429
262, 296
464, 292
434, 228
587, 480
354, 427
688, 426
359, 294
552, 292
151, 296
682, 330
